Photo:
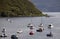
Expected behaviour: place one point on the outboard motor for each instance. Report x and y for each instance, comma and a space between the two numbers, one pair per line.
14, 37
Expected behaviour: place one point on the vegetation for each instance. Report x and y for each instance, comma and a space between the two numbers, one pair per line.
14, 8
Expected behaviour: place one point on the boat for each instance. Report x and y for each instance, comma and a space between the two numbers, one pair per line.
50, 34
3, 33
14, 37
50, 26
30, 25
31, 33
9, 20
40, 28
20, 31
3, 36
41, 25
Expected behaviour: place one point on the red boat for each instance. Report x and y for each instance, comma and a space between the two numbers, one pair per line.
31, 33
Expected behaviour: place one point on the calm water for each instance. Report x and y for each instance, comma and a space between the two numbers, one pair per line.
22, 22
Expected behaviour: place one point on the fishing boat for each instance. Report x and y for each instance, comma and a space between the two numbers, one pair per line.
30, 26
40, 28
19, 31
3, 33
50, 34
31, 33
50, 26
14, 37
31, 29
9, 20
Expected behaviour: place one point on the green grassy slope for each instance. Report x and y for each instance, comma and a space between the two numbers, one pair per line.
13, 8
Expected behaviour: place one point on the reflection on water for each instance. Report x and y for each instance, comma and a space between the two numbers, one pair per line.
22, 22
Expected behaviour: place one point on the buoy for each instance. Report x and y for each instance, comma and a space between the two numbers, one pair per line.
14, 37
49, 35
31, 33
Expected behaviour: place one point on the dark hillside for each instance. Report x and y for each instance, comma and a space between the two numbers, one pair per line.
14, 8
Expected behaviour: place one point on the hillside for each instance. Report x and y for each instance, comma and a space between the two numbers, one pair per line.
14, 8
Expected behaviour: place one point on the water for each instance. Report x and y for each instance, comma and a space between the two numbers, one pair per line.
22, 22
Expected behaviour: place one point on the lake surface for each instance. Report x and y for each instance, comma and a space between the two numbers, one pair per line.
22, 22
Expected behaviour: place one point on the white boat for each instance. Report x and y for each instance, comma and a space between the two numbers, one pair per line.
3, 33
40, 29
9, 20
41, 25
50, 26
19, 31
50, 34
30, 25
